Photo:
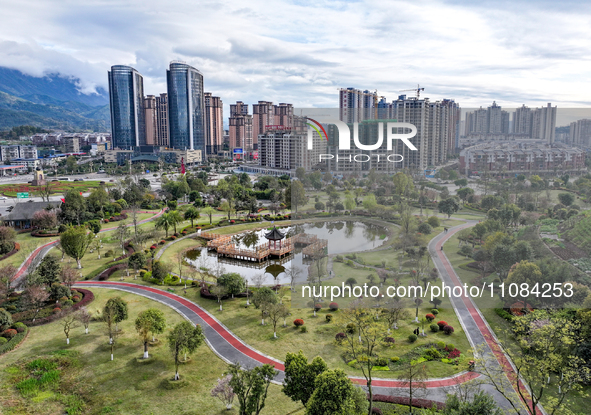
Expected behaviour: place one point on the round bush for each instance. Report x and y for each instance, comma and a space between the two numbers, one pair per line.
304, 329
75, 298
425, 228
434, 221
317, 307
448, 329
298, 322
3, 340
63, 298
434, 328
389, 341
376, 411
450, 347
56, 310
441, 345
333, 306
441, 324
435, 311
394, 359
9, 334
351, 328
19, 327
381, 361
429, 317
340, 337
412, 338
67, 303
328, 318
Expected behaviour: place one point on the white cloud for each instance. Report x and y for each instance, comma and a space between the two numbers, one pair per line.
515, 53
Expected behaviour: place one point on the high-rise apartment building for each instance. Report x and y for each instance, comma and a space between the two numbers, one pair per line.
186, 107
151, 120
126, 94
162, 120
580, 133
522, 121
492, 120
544, 123
240, 126
356, 105
263, 114
214, 123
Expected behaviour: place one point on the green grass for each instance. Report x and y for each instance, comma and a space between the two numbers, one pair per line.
10, 190
120, 386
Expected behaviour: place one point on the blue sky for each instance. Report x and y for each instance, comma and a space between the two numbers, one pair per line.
301, 52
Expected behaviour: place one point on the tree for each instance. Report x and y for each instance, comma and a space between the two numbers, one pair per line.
165, 221
393, 311
413, 376
68, 276
119, 308
209, 211
295, 195
97, 199
73, 207
228, 208
350, 202
68, 322
36, 297
301, 375
75, 241
175, 218
224, 392
191, 214
448, 206
49, 270
251, 386
45, 219
219, 291
5, 319
293, 272
464, 193
566, 199
109, 318
7, 272
277, 312
369, 202
160, 270
524, 272
184, 338
351, 282
461, 182
136, 261
232, 282
84, 317
370, 331
481, 404
149, 322
334, 393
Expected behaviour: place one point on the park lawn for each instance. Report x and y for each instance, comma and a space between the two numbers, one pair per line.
10, 190
124, 386
319, 340
28, 245
170, 254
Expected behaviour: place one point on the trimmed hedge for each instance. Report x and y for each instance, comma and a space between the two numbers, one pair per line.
403, 400
88, 297
14, 342
38, 234
16, 248
104, 275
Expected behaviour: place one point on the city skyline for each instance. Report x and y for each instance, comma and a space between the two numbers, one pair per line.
259, 54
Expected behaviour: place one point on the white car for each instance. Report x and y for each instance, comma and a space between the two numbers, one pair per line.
3, 198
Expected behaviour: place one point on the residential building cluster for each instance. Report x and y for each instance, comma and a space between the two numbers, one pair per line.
580, 133
521, 157
494, 123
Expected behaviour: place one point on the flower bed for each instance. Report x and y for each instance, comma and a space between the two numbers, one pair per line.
403, 400
88, 297
117, 218
14, 342
16, 248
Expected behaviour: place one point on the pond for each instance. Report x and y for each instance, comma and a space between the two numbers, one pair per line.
342, 236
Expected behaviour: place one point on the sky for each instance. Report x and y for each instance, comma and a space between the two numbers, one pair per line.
517, 52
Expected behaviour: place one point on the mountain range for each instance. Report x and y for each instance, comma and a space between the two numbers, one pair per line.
51, 102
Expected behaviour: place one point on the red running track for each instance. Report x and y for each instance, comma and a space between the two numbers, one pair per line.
256, 355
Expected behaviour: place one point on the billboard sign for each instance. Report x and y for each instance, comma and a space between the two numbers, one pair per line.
238, 151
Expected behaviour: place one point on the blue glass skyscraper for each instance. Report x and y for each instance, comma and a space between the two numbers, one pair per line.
126, 94
186, 106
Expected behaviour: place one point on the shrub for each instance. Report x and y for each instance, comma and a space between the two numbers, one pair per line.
9, 334
441, 345
3, 340
448, 329
432, 353
351, 328
317, 307
434, 328
162, 242
441, 324
412, 338
328, 318
304, 329
67, 303
340, 337
19, 327
430, 317
389, 342
333, 306
435, 311
56, 310
381, 361
298, 322
173, 237
75, 298
394, 359
425, 228
434, 221
450, 347
376, 411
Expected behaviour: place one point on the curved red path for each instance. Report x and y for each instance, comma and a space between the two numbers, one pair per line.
258, 356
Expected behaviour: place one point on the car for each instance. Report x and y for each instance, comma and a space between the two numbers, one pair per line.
3, 198
10, 208
112, 181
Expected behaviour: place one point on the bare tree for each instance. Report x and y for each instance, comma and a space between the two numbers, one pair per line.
35, 296
6, 274
84, 318
277, 312
68, 322
413, 377
293, 273
69, 276
393, 311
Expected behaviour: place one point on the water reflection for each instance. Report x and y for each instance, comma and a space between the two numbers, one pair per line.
342, 236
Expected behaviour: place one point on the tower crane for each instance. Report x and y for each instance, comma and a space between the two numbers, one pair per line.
417, 90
